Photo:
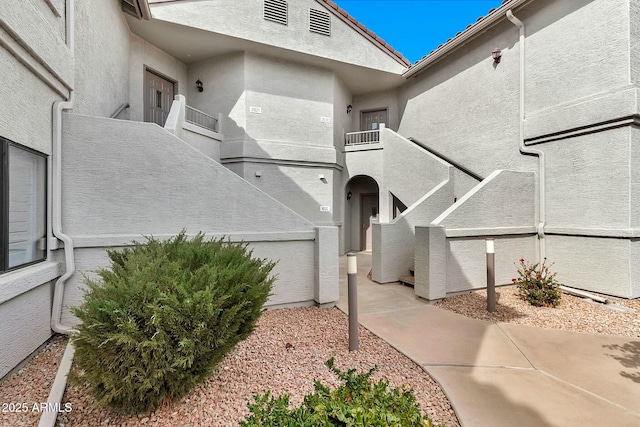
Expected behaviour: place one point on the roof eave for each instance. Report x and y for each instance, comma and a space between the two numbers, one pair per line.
386, 48
477, 29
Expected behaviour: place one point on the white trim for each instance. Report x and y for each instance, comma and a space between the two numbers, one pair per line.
53, 8
612, 233
201, 131
490, 231
18, 282
33, 62
283, 162
121, 240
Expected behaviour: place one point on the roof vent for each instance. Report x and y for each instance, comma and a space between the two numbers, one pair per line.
275, 11
319, 22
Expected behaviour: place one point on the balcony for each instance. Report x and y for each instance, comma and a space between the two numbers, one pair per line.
361, 138
201, 119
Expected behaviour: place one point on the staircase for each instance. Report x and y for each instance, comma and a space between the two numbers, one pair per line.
408, 280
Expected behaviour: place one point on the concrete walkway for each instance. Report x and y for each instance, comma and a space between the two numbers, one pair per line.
499, 374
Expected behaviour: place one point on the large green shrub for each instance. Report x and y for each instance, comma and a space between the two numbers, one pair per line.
357, 403
537, 285
163, 316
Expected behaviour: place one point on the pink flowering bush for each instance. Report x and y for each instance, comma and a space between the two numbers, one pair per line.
537, 285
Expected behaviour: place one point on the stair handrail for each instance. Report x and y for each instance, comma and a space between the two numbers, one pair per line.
119, 110
447, 159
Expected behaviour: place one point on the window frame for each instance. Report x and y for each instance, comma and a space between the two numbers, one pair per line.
4, 210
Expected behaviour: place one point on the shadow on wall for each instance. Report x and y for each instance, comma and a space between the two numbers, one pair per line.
479, 50
307, 190
359, 192
276, 147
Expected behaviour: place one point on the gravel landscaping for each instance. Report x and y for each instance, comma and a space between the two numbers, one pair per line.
573, 313
30, 384
285, 355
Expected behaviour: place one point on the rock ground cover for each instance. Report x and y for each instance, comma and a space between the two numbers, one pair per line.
572, 314
287, 352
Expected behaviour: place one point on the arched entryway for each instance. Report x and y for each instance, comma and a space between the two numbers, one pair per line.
362, 209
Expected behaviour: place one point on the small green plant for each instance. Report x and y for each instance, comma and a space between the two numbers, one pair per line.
357, 402
163, 316
537, 285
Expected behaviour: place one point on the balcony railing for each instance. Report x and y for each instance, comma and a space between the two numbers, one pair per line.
201, 119
364, 137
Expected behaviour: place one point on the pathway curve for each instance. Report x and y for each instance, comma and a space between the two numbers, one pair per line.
500, 374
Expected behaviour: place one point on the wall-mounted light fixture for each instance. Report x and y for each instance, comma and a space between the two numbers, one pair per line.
258, 174
496, 54
199, 85
349, 195
349, 108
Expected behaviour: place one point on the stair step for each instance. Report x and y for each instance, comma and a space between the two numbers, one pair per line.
407, 280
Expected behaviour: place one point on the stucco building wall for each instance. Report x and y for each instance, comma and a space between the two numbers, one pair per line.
33, 25
222, 78
161, 186
245, 20
277, 123
576, 86
145, 55
450, 252
37, 70
101, 58
467, 108
376, 101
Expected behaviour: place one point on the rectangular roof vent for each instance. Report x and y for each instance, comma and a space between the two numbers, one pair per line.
320, 22
276, 11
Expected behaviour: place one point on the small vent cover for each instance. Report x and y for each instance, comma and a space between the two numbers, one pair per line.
276, 11
320, 22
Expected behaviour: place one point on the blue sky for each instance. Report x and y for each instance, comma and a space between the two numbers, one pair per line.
416, 27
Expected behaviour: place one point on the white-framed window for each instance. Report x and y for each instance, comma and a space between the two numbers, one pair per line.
23, 177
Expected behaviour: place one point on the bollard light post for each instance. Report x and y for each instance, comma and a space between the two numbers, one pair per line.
352, 299
491, 276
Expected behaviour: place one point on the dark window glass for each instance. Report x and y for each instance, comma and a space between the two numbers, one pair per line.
24, 207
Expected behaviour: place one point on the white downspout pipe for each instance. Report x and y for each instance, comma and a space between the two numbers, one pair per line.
56, 225
528, 150
56, 190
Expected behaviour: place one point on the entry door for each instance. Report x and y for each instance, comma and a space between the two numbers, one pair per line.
368, 214
159, 93
371, 120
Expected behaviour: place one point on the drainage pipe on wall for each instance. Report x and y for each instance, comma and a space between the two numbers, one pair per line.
528, 150
48, 418
56, 190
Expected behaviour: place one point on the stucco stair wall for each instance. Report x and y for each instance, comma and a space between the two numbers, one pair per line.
423, 182
123, 180
450, 254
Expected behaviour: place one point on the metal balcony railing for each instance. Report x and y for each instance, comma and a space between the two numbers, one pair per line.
364, 137
201, 119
